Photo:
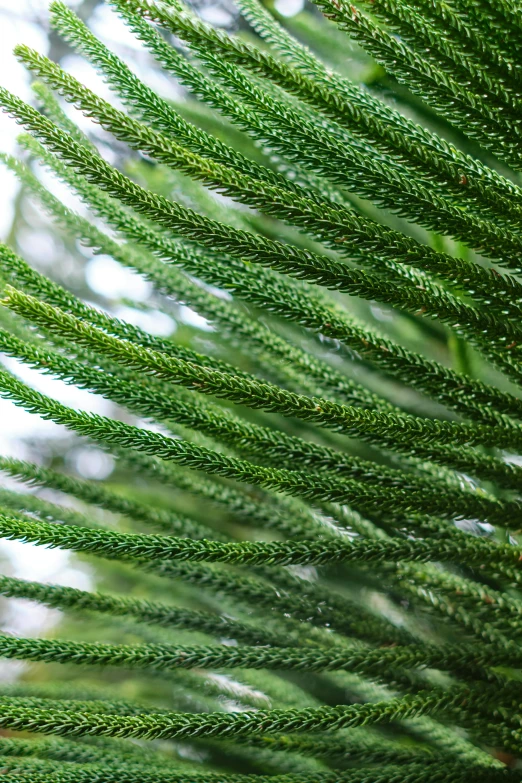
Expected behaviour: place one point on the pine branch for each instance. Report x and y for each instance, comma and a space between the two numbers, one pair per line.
166, 657
169, 280
283, 594
16, 268
44, 510
454, 390
377, 426
390, 595
361, 172
54, 112
118, 434
244, 508
104, 706
354, 746
476, 602
160, 116
93, 493
359, 747
463, 106
67, 750
340, 614
285, 258
252, 439
464, 53
491, 50
150, 107
334, 224
144, 611
500, 16
239, 724
49, 771
135, 546
353, 108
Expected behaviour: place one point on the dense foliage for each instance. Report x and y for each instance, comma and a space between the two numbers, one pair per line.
325, 484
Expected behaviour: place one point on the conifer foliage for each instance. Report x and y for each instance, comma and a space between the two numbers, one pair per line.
308, 557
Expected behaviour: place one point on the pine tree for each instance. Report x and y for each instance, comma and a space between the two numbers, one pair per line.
308, 554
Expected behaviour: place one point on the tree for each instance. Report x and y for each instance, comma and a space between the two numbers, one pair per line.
307, 493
